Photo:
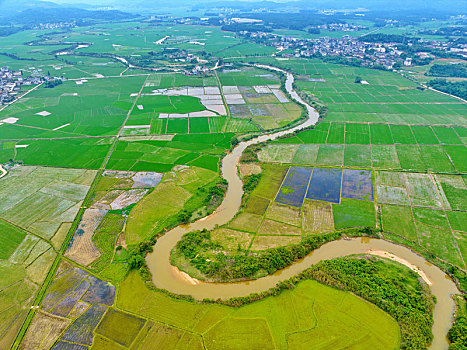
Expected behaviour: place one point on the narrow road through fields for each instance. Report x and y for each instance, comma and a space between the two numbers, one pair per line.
20, 97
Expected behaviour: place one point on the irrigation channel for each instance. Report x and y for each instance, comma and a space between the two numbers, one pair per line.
168, 277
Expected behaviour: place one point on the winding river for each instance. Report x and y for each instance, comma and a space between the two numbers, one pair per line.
168, 277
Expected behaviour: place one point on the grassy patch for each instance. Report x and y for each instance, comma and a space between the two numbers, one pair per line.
357, 155
229, 327
353, 213
184, 190
120, 327
399, 220
10, 238
330, 155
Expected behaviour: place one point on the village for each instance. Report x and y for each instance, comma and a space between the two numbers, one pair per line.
383, 54
11, 82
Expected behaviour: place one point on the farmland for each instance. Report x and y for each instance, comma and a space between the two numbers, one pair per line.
403, 164
34, 222
102, 165
181, 324
181, 189
312, 200
219, 324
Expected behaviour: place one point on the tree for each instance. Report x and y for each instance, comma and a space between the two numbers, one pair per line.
136, 261
358, 80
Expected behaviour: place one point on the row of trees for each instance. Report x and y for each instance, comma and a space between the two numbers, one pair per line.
457, 335
458, 88
448, 70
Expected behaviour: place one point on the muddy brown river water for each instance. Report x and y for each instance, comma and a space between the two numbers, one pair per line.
168, 277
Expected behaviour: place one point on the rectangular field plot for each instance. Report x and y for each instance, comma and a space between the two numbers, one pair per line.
294, 188
410, 157
424, 135
354, 213
325, 185
285, 214
278, 153
270, 227
86, 153
436, 159
330, 155
462, 132
447, 135
256, 205
403, 134
306, 154
10, 238
391, 188
457, 220
246, 222
177, 126
380, 134
357, 133
384, 156
81, 331
266, 242
357, 155
461, 240
435, 234
317, 135
399, 220
317, 217
423, 191
455, 191
336, 133
120, 327
357, 184
270, 182
199, 125
458, 156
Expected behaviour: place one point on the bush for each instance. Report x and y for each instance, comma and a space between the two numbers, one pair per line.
457, 335
250, 182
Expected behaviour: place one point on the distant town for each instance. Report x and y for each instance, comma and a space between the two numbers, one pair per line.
373, 52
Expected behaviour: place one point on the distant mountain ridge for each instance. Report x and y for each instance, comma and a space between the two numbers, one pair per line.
32, 13
29, 12
441, 5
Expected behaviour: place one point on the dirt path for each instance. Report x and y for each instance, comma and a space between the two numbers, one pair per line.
3, 171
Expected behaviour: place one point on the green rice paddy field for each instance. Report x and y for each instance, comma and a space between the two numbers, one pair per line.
308, 314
